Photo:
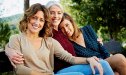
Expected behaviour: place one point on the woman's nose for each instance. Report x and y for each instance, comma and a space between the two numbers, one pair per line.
37, 22
55, 15
66, 29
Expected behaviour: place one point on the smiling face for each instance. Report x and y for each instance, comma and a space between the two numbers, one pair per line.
56, 15
36, 22
67, 27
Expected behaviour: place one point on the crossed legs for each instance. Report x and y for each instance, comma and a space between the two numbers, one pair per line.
118, 64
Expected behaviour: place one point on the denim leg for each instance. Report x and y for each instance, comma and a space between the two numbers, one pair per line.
106, 67
85, 69
71, 73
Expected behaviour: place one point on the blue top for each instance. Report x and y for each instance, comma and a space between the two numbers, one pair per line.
93, 47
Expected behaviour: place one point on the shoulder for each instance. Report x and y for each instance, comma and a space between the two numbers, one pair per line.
14, 41
87, 27
50, 40
14, 37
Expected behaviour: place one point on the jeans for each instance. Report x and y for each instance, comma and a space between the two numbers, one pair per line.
86, 69
70, 73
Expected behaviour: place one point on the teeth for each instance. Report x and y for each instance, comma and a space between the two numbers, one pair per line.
35, 26
55, 20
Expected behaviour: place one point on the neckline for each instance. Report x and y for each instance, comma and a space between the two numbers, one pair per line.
31, 45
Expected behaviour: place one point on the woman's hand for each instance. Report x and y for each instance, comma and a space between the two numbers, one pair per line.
100, 40
94, 63
14, 56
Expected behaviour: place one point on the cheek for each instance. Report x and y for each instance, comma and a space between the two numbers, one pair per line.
42, 24
63, 31
72, 29
31, 22
51, 16
60, 16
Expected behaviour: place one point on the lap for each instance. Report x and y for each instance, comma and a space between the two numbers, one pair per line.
83, 68
115, 60
70, 73
86, 69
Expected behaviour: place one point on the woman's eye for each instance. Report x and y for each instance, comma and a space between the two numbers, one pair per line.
34, 17
59, 13
51, 13
67, 25
42, 20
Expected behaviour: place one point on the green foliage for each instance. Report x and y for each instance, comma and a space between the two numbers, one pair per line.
124, 51
5, 32
108, 14
8, 73
122, 35
8, 26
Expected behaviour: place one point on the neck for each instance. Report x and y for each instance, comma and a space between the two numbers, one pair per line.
32, 35
76, 37
55, 27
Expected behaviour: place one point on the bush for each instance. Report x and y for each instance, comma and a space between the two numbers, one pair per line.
5, 32
124, 51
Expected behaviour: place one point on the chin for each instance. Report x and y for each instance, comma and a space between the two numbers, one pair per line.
55, 24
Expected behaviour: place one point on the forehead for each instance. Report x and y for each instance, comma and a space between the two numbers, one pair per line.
39, 13
55, 8
64, 22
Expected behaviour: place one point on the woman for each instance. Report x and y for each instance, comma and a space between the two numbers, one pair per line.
56, 13
38, 48
86, 44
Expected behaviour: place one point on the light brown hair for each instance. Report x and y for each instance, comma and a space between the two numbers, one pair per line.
46, 30
76, 29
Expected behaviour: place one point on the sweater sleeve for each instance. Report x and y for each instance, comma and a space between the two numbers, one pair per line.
61, 53
102, 49
14, 43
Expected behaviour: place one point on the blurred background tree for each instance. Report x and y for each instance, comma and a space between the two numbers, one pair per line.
4, 34
106, 15
5, 31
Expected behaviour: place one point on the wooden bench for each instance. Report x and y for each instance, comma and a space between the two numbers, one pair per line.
5, 65
113, 46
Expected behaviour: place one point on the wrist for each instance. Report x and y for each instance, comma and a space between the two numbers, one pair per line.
87, 60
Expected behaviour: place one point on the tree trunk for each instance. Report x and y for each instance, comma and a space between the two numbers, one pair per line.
26, 4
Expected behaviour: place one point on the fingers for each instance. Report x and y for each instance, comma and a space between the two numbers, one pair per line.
93, 70
92, 62
98, 65
95, 64
100, 40
100, 69
97, 59
16, 57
